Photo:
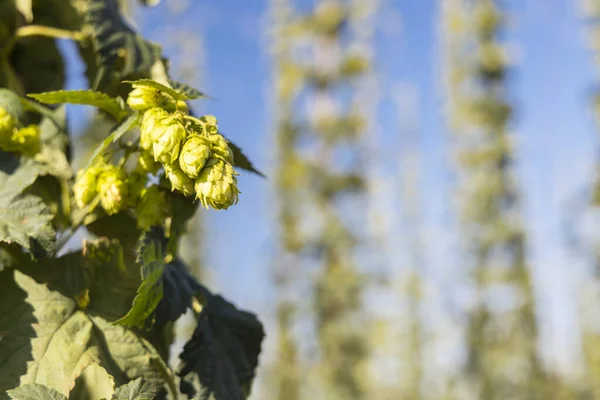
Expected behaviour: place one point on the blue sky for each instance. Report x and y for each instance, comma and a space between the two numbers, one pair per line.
551, 83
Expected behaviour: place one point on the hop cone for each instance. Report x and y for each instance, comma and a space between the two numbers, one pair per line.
217, 186
85, 186
151, 121
152, 209
179, 179
210, 126
194, 155
220, 147
142, 98
113, 189
167, 139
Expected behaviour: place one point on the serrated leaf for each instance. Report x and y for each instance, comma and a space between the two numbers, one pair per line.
116, 134
190, 92
149, 83
136, 390
166, 290
222, 353
241, 160
113, 39
35, 392
85, 97
60, 341
27, 222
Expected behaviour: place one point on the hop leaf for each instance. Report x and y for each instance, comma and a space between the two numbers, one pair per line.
179, 180
194, 155
167, 138
113, 189
152, 208
217, 186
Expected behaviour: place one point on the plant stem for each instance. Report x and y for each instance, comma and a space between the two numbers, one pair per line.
41, 30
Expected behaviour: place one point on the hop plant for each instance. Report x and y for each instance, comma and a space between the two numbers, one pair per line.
167, 138
194, 155
217, 186
179, 180
152, 208
24, 140
112, 186
142, 98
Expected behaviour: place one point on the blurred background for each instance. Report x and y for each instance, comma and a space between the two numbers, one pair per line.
428, 227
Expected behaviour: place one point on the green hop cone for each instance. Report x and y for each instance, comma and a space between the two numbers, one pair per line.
113, 188
167, 139
179, 179
210, 124
194, 155
220, 147
151, 121
152, 209
85, 188
142, 98
217, 185
146, 163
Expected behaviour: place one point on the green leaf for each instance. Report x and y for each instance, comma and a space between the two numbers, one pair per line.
35, 392
136, 390
92, 384
159, 86
10, 101
86, 97
116, 134
27, 222
166, 290
190, 92
240, 159
222, 353
113, 38
58, 340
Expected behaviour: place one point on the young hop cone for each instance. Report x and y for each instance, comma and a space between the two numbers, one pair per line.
151, 120
179, 179
113, 189
167, 139
220, 147
85, 188
142, 98
217, 185
152, 209
211, 125
194, 155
